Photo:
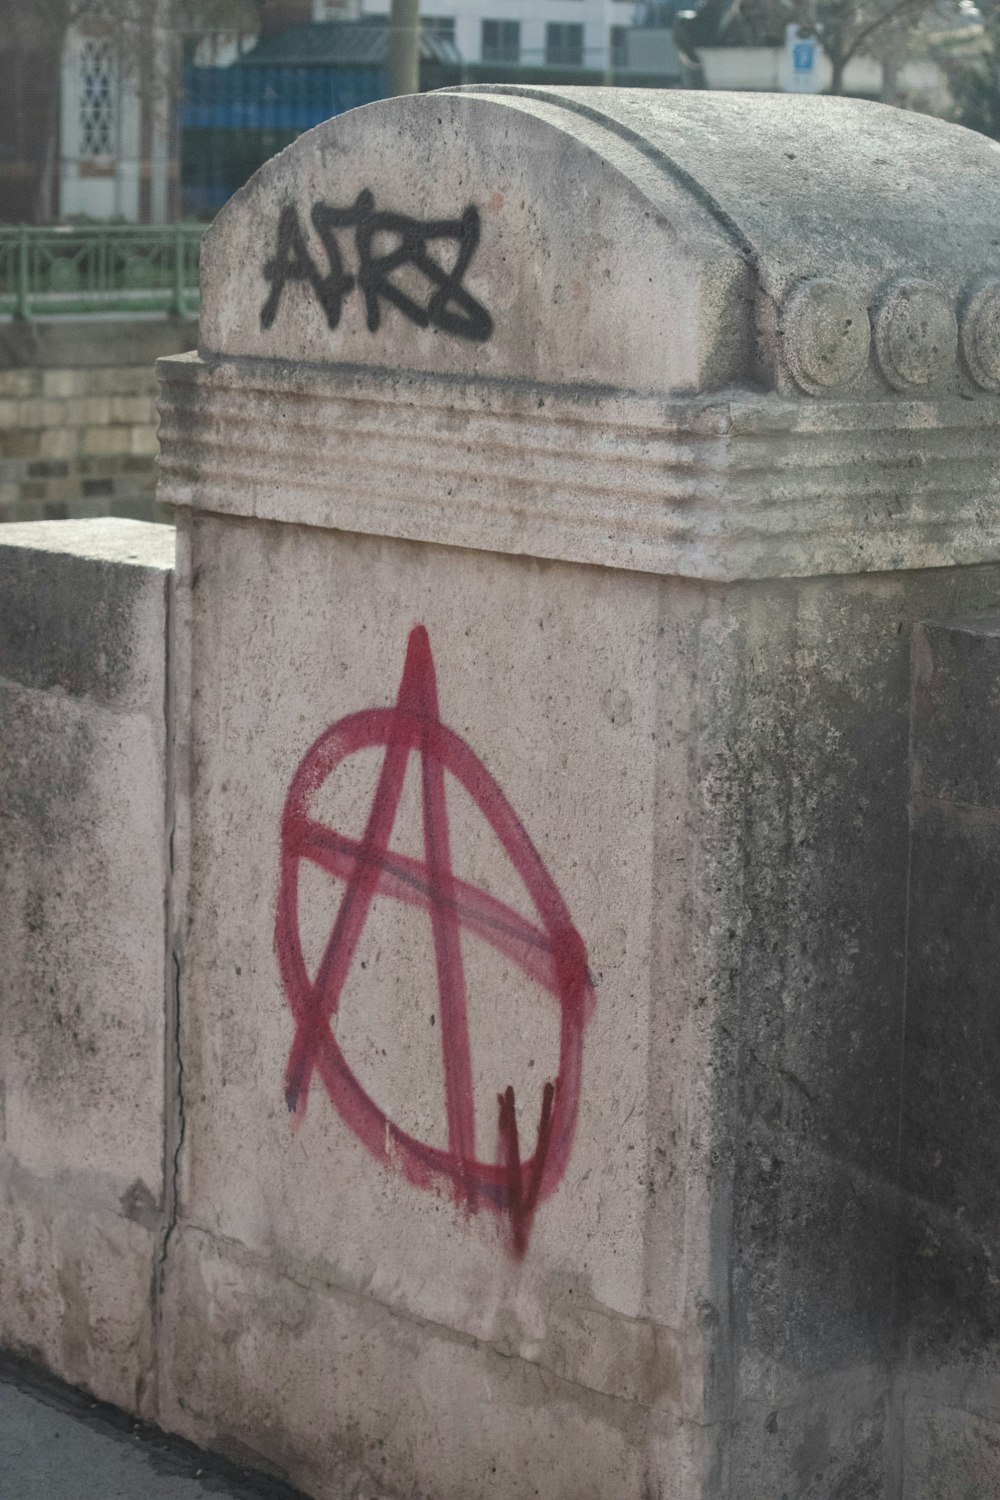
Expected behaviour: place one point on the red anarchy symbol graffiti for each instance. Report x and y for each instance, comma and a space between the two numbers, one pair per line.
551, 954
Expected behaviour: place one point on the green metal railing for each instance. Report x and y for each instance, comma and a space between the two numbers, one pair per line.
104, 268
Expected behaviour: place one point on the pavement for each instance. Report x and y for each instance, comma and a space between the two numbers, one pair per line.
60, 1444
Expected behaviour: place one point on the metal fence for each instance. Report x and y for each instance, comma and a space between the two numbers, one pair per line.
104, 268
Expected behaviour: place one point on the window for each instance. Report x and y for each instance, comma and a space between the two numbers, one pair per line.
564, 44
441, 26
618, 46
501, 41
97, 100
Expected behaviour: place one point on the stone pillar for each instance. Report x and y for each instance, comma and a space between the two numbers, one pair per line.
558, 480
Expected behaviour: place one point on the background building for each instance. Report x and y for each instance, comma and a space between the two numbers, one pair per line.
590, 35
115, 135
316, 58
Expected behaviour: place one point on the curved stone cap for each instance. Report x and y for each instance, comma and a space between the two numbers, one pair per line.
664, 242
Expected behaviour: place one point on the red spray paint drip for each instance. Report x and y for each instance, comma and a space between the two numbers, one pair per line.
551, 954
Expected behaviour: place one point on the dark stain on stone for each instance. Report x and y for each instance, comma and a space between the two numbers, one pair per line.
67, 622
139, 1205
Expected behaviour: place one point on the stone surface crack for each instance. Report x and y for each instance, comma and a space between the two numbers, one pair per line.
174, 1163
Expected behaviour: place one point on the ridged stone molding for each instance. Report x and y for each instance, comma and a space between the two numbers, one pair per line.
916, 335
735, 485
826, 335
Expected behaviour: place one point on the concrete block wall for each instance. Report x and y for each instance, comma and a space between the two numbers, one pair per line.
83, 867
78, 417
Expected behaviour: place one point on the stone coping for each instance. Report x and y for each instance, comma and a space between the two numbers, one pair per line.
660, 240
111, 539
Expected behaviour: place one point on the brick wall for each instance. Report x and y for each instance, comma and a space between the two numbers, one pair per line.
77, 417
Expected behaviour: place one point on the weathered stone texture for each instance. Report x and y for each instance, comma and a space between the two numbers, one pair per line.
83, 612
330, 1387
76, 1276
743, 756
950, 1453
572, 728
811, 765
949, 1307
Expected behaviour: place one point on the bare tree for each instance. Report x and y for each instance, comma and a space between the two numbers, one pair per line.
847, 28
31, 43
885, 29
147, 37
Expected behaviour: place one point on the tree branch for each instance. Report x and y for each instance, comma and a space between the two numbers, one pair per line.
889, 15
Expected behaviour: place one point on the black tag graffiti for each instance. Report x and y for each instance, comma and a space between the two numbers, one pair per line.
449, 307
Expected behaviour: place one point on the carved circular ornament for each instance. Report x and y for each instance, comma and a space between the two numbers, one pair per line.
916, 334
981, 336
826, 335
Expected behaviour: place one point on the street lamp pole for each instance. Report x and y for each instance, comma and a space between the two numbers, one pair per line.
404, 47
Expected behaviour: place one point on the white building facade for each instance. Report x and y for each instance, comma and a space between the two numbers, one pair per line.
114, 138
580, 34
